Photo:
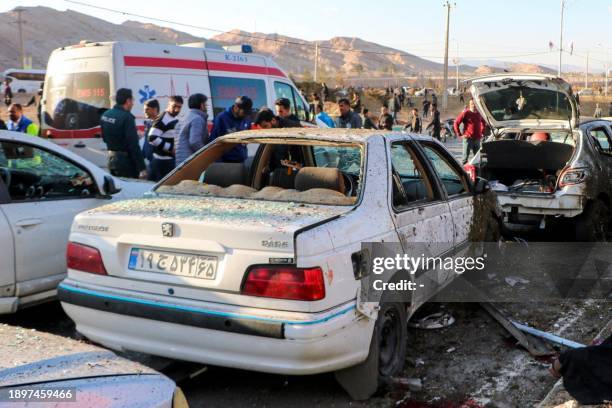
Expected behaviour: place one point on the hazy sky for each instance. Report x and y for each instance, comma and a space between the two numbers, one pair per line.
480, 29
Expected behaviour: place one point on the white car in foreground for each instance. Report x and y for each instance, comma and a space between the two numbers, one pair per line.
42, 187
258, 266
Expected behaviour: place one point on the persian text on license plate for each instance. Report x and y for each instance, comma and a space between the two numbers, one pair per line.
194, 266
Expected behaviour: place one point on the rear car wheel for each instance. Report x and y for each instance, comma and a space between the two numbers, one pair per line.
593, 224
387, 354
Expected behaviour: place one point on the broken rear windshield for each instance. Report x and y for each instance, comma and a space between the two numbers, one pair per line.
519, 102
309, 171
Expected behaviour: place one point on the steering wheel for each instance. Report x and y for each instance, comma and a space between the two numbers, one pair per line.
6, 176
349, 185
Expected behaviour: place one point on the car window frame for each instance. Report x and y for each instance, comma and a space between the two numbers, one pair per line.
596, 143
97, 193
294, 98
452, 162
425, 166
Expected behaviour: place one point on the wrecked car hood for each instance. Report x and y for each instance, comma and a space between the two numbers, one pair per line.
522, 101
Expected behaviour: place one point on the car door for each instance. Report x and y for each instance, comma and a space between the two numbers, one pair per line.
46, 191
602, 139
7, 265
421, 216
455, 183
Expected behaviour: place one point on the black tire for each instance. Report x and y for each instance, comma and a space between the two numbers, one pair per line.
391, 330
593, 224
386, 356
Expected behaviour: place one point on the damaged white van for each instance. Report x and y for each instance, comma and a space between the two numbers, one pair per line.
544, 167
259, 265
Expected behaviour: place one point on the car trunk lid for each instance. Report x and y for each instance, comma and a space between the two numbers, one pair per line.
525, 101
225, 235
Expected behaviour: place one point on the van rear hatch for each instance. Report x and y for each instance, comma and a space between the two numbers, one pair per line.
202, 244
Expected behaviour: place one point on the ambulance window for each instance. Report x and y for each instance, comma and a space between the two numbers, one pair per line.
284, 90
224, 90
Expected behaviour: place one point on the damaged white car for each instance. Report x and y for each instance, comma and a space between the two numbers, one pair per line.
42, 187
545, 167
256, 265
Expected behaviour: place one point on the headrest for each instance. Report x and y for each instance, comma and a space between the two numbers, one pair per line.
319, 177
280, 177
225, 174
539, 137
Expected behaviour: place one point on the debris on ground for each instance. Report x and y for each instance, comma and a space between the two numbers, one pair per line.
433, 321
412, 384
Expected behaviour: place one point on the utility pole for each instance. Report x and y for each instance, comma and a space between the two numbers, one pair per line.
445, 84
586, 74
316, 62
20, 23
607, 74
456, 62
561, 37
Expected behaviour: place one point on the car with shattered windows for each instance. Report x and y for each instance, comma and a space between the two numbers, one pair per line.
256, 266
546, 167
42, 187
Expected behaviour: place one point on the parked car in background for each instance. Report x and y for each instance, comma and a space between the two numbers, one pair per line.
51, 370
258, 266
82, 79
25, 80
42, 187
585, 92
423, 91
447, 131
545, 167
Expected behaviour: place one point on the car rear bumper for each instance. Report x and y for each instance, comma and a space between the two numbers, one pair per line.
308, 343
558, 205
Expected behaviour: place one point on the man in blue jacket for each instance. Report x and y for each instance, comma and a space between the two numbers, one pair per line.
234, 119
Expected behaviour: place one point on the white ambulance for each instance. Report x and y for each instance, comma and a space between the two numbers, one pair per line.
82, 79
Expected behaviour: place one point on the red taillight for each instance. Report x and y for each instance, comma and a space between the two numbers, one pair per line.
470, 169
84, 258
285, 282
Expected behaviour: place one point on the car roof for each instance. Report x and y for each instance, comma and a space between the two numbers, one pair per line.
10, 135
595, 121
512, 75
327, 134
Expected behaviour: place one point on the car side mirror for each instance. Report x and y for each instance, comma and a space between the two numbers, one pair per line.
481, 186
110, 187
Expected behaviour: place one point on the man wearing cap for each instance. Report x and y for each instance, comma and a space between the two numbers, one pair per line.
233, 119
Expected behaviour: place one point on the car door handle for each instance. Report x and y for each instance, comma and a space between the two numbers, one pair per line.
30, 222
420, 210
80, 145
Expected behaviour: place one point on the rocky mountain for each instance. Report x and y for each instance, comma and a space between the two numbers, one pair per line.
46, 29
335, 55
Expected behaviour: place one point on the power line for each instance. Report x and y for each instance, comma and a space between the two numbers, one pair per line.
288, 42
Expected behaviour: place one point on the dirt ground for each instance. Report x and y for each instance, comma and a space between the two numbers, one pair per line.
472, 363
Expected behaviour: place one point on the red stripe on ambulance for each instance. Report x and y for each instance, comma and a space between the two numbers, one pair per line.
155, 62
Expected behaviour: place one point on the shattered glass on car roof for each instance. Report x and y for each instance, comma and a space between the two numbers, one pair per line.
225, 211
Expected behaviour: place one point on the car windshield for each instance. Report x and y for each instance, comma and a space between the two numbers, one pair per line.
523, 102
305, 171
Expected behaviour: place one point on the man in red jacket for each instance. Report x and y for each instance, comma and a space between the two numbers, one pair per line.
473, 129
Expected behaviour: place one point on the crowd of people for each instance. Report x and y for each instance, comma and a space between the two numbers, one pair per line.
168, 141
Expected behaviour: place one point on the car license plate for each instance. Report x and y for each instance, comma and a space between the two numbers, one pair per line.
190, 265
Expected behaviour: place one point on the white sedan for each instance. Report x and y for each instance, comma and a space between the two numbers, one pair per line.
260, 265
42, 187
